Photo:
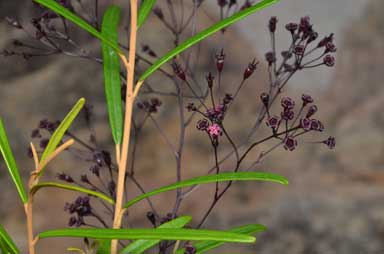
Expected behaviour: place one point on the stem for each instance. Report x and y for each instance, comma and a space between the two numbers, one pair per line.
29, 214
130, 67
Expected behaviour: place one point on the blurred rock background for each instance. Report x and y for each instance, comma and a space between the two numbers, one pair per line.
334, 203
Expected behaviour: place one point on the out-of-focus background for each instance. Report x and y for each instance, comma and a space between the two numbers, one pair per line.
335, 200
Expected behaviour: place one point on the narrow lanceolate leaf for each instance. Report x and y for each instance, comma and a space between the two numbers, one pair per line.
202, 247
39, 186
150, 234
11, 163
7, 243
205, 33
139, 246
111, 65
222, 177
59, 9
145, 8
60, 131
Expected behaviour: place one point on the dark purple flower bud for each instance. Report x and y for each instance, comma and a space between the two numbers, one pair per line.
290, 143
305, 24
316, 125
270, 57
215, 130
265, 99
287, 114
250, 69
13, 22
220, 61
329, 60
140, 105
227, 98
84, 179
246, 5
189, 248
222, 3
286, 54
330, 142
191, 107
287, 103
299, 50
292, 27
330, 47
65, 178
325, 40
273, 122
43, 143
72, 221
178, 71
311, 111
152, 218
95, 169
36, 133
211, 113
43, 124
52, 126
306, 99
158, 12
107, 158
210, 79
305, 123
312, 36
232, 3
272, 24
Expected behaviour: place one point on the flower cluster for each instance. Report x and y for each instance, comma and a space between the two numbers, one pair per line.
151, 106
80, 208
301, 53
304, 119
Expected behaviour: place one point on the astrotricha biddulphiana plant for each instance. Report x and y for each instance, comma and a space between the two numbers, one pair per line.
132, 101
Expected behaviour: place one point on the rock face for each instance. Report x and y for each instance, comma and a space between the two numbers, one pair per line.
334, 203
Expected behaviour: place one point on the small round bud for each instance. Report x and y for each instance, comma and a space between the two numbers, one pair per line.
250, 69
270, 57
330, 142
311, 111
306, 99
272, 24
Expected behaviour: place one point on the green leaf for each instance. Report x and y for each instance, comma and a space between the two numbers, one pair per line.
59, 9
104, 246
11, 163
111, 65
39, 186
7, 243
202, 247
222, 177
150, 234
145, 8
60, 131
139, 246
205, 33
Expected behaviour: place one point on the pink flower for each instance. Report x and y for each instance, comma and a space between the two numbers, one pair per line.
215, 130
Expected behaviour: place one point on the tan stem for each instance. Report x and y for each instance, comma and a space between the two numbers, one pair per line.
130, 67
29, 215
